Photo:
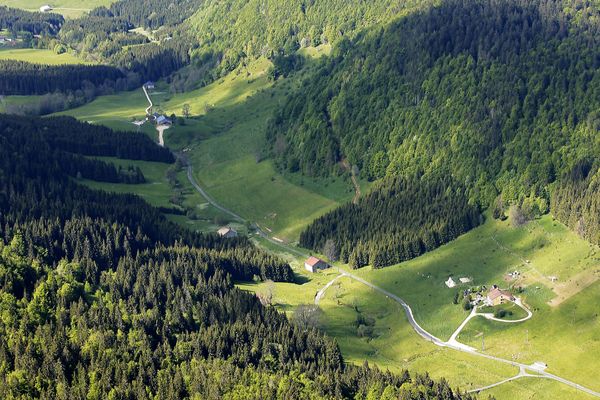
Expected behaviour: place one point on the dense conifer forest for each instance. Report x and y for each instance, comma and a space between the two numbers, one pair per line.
386, 227
502, 96
17, 21
101, 297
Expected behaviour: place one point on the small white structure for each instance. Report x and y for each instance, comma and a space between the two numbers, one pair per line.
465, 280
227, 232
450, 282
149, 85
313, 264
45, 8
553, 278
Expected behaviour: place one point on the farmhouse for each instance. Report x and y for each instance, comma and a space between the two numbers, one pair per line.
149, 85
227, 232
313, 264
498, 296
45, 8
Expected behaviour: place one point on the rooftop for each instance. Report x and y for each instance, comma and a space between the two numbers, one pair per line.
312, 261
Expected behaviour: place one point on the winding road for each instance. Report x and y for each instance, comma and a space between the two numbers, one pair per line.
451, 344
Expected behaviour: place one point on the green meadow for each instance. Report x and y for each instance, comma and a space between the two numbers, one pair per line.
224, 141
39, 56
68, 8
198, 214
564, 335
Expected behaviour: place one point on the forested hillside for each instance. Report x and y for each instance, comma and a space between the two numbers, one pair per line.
235, 30
101, 297
18, 21
502, 96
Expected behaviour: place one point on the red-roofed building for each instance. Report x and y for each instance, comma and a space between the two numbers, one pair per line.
313, 264
498, 296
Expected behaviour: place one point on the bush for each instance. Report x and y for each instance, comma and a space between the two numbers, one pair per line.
500, 313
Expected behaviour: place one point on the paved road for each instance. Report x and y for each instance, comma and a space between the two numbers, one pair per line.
411, 319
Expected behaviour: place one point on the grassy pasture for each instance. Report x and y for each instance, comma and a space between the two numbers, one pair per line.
566, 336
39, 56
68, 8
224, 138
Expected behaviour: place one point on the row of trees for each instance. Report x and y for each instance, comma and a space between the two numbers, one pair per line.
150, 14
17, 21
401, 218
23, 78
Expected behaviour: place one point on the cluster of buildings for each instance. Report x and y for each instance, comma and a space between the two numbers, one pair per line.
494, 297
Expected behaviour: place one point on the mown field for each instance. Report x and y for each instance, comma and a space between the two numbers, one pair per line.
39, 56
68, 8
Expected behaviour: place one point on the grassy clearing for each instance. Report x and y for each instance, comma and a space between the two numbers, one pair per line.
68, 8
566, 337
223, 140
39, 56
16, 100
199, 215
534, 388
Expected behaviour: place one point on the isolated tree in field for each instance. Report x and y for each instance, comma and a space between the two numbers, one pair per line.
307, 316
266, 296
185, 110
330, 250
517, 217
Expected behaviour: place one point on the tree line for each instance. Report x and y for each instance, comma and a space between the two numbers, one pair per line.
17, 21
23, 78
385, 227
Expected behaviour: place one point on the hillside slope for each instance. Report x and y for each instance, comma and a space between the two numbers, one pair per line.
504, 97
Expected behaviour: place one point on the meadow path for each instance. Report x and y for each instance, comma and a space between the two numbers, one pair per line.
409, 313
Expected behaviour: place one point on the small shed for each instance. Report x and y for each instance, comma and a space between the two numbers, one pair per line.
46, 8
450, 282
149, 85
227, 232
313, 264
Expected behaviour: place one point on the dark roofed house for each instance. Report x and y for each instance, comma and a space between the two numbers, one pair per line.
162, 120
227, 232
313, 264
